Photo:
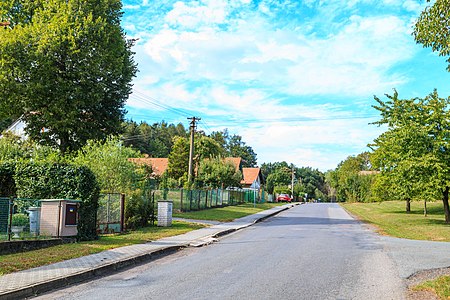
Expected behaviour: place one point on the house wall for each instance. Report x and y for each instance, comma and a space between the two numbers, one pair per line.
17, 128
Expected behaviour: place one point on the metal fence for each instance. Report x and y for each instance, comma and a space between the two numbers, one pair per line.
24, 219
189, 200
110, 213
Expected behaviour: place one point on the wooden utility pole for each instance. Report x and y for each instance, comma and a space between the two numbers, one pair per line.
292, 182
191, 149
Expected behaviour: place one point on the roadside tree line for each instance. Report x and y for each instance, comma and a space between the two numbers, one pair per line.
409, 161
413, 155
301, 183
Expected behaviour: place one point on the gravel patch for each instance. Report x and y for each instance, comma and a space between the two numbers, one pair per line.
421, 277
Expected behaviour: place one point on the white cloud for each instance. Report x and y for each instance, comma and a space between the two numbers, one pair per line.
235, 66
354, 61
414, 6
194, 14
131, 7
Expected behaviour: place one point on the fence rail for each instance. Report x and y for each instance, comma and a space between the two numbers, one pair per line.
22, 219
190, 200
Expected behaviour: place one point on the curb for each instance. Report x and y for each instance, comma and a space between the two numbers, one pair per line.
56, 283
61, 282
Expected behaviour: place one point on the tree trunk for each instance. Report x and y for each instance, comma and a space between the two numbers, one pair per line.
425, 208
408, 205
63, 142
446, 207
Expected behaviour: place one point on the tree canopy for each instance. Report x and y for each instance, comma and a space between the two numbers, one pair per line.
155, 140
431, 28
348, 180
217, 173
415, 150
306, 180
66, 67
234, 146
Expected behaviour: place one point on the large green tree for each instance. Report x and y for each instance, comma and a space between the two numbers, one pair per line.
415, 150
432, 28
235, 147
179, 159
348, 181
66, 66
217, 173
109, 162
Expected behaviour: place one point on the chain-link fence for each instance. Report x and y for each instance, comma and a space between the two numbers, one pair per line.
188, 200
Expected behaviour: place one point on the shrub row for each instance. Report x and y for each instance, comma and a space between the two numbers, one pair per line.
55, 181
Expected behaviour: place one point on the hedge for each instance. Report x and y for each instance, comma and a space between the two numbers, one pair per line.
7, 184
56, 181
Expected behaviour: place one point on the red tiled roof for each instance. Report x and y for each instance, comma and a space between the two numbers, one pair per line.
250, 175
236, 161
159, 165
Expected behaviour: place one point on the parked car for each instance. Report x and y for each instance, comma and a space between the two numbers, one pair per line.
284, 198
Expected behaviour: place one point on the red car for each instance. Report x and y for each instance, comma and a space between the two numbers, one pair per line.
284, 198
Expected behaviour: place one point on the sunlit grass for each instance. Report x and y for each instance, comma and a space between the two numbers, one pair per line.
26, 260
440, 286
227, 213
391, 219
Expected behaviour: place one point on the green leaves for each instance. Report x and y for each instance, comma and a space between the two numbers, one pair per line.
431, 28
109, 162
49, 180
217, 173
67, 67
414, 153
350, 182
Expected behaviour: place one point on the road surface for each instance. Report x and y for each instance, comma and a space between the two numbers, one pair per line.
312, 251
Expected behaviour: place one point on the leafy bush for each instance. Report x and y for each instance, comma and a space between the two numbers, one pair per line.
47, 180
7, 184
10, 147
109, 162
138, 209
20, 220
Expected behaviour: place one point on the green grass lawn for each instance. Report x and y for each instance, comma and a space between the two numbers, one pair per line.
440, 286
391, 219
26, 260
227, 213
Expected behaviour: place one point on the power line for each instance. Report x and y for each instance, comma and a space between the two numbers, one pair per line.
152, 101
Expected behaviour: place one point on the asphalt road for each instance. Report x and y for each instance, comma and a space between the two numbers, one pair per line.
312, 251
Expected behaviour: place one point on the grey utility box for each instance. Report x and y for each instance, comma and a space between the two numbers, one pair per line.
165, 213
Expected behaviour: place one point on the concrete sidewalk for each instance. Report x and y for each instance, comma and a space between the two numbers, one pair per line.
38, 280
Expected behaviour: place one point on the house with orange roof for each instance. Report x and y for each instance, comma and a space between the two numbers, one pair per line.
253, 179
236, 161
158, 165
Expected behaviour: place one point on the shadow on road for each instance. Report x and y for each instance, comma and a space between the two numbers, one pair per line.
288, 221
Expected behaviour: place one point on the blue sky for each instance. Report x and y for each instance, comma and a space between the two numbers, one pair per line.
295, 79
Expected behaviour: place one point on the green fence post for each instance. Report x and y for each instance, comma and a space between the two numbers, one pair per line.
11, 204
181, 200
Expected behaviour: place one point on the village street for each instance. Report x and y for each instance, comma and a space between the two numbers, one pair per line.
312, 251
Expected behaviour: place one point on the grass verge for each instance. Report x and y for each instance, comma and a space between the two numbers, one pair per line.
227, 213
439, 286
391, 219
27, 260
